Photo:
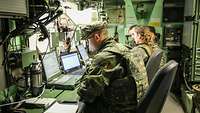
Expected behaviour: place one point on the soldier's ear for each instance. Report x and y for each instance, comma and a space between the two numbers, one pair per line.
139, 36
97, 37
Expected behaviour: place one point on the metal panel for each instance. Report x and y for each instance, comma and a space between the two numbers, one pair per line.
196, 72
157, 13
198, 36
199, 9
196, 76
189, 7
130, 13
2, 71
188, 34
13, 8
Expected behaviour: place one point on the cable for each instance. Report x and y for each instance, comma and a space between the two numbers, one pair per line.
184, 76
22, 101
48, 45
58, 5
73, 36
44, 32
43, 89
6, 38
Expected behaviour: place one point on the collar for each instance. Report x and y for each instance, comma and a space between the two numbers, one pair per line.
106, 43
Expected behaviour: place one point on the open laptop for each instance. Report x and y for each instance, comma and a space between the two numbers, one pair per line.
54, 75
83, 53
71, 64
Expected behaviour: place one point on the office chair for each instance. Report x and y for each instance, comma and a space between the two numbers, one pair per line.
154, 98
153, 64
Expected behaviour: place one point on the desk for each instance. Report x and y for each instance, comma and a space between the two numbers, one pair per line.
68, 95
48, 93
35, 110
60, 95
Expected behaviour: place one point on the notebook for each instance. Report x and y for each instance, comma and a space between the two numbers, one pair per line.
53, 73
83, 53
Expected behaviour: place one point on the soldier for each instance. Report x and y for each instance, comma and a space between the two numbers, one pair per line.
142, 49
143, 44
105, 86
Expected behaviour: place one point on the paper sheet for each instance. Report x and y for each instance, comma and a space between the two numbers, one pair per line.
62, 108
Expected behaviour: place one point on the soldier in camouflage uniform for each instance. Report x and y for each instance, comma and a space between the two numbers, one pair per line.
143, 50
106, 87
143, 46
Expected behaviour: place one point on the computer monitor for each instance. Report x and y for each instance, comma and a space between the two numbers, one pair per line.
83, 52
50, 64
70, 61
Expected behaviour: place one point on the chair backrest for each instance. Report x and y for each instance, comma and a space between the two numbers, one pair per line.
153, 64
154, 98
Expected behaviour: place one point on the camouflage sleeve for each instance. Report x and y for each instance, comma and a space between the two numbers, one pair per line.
97, 76
141, 53
139, 72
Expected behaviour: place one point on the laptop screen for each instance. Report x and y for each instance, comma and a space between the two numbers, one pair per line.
83, 52
51, 65
70, 61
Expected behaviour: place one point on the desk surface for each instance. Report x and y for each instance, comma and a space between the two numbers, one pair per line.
48, 93
68, 95
60, 95
35, 110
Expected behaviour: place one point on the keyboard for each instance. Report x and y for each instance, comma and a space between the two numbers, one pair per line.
63, 79
42, 102
78, 72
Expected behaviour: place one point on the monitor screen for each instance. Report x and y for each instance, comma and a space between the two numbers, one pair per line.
51, 65
83, 52
70, 61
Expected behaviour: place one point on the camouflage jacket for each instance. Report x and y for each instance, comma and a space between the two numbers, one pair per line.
144, 51
105, 86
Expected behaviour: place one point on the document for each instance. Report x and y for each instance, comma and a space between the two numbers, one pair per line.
62, 108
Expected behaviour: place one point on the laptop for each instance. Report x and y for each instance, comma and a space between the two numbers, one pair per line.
54, 75
83, 53
70, 62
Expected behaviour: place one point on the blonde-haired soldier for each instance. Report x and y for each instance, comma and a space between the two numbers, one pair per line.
143, 43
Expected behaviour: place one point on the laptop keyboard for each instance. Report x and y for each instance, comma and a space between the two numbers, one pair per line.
68, 81
40, 102
78, 72
63, 79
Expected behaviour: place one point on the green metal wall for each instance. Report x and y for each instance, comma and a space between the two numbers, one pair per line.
135, 12
2, 72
